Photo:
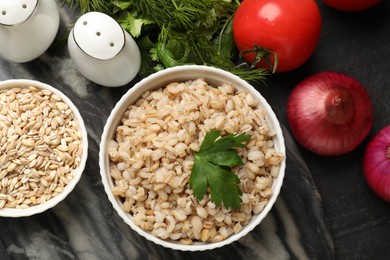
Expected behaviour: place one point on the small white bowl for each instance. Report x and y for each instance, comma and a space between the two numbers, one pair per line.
19, 212
160, 79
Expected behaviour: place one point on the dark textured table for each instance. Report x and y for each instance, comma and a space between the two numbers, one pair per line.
325, 210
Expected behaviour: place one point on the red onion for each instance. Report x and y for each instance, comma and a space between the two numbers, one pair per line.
329, 113
376, 163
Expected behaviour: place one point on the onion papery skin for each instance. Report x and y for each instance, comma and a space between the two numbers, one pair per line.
376, 164
330, 113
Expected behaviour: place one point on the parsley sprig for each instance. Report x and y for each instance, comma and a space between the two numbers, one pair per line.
212, 168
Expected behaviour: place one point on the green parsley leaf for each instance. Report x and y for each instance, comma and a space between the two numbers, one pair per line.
133, 25
212, 168
122, 4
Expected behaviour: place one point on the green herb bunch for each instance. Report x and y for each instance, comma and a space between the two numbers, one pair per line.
177, 32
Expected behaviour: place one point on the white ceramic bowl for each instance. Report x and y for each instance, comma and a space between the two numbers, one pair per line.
160, 79
18, 212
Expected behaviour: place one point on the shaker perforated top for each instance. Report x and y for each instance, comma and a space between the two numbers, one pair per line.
99, 35
14, 12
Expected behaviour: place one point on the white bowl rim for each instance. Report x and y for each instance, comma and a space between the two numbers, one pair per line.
15, 212
122, 104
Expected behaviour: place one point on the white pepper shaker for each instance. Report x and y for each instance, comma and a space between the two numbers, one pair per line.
102, 51
27, 28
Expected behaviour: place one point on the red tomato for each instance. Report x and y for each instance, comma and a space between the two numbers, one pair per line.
351, 5
289, 28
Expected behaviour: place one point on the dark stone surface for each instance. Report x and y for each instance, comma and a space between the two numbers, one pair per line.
325, 210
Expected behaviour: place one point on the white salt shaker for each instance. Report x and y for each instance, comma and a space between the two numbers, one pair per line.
27, 28
102, 51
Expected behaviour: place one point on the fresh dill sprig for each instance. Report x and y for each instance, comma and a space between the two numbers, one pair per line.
104, 6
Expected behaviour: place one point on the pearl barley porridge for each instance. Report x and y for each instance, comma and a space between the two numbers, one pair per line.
40, 146
151, 160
